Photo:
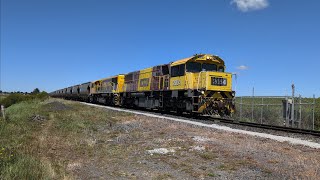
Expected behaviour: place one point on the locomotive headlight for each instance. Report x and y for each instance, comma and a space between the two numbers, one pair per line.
202, 92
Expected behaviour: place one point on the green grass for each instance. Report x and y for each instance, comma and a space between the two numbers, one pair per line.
25, 141
18, 159
23, 166
212, 175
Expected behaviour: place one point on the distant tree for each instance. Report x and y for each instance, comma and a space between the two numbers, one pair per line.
35, 91
0, 92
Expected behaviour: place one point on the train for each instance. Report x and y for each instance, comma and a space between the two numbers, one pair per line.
196, 85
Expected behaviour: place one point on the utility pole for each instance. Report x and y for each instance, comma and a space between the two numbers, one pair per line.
292, 110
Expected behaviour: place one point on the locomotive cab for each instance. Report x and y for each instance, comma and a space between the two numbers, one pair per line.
207, 86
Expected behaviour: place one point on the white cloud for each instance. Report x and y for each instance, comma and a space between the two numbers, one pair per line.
250, 5
243, 67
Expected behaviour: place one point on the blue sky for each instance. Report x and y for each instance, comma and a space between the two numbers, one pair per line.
51, 44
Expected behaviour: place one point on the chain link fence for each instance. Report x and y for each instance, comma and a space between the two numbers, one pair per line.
295, 112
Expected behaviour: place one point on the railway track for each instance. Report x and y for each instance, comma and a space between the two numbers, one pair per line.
210, 120
270, 127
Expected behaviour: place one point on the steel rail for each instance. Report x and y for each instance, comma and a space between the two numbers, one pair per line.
270, 127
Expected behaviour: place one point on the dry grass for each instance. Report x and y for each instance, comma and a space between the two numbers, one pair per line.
76, 141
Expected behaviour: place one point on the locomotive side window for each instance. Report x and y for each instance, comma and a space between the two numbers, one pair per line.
115, 80
165, 70
182, 69
209, 67
221, 69
128, 77
193, 67
174, 71
177, 70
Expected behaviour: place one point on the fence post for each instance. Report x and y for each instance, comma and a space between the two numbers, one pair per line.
261, 110
287, 112
2, 112
292, 110
240, 108
300, 111
252, 104
314, 106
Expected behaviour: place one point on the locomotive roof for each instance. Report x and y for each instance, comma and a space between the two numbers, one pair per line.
110, 77
200, 57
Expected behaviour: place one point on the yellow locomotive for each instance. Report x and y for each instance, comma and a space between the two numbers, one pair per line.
195, 85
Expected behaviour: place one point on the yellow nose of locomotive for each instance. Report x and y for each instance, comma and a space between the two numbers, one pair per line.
212, 81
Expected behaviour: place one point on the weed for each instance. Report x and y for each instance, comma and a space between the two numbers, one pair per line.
208, 155
164, 176
221, 167
212, 175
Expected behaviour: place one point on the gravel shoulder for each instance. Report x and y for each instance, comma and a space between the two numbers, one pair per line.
140, 147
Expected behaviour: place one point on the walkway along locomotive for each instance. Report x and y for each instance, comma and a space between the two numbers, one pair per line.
195, 85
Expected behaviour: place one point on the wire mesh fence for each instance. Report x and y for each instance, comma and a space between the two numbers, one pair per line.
295, 112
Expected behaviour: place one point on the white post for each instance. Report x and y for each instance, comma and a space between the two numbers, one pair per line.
2, 112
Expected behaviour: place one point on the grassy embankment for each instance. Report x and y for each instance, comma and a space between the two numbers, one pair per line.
35, 127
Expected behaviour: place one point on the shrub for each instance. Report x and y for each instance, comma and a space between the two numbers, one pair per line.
16, 98
13, 99
42, 96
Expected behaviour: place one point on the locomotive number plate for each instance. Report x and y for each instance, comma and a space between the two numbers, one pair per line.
176, 83
218, 81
